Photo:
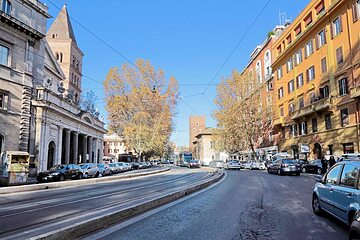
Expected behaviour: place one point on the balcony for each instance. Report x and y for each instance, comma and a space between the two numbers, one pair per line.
355, 91
317, 106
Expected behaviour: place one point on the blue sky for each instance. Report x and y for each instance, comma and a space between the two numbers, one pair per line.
188, 39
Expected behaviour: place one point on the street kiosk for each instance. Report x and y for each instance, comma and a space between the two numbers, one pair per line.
14, 167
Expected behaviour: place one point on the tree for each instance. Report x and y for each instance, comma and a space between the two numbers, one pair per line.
88, 102
243, 115
141, 103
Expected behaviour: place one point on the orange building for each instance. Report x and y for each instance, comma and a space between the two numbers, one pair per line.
317, 83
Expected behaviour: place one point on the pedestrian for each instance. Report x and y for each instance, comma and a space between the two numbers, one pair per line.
324, 164
331, 161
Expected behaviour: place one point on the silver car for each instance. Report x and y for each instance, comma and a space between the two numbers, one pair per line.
89, 170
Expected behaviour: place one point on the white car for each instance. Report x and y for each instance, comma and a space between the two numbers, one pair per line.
262, 166
247, 165
233, 164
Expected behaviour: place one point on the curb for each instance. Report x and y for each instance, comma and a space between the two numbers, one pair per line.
88, 226
52, 185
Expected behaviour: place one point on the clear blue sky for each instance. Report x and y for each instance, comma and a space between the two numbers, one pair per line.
188, 39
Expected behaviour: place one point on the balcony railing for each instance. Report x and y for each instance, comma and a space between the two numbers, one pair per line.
316, 106
355, 91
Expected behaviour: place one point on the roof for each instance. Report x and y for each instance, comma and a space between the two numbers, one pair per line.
62, 26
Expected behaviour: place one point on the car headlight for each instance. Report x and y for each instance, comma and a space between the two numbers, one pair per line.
55, 174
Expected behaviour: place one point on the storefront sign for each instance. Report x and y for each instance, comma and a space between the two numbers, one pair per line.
304, 148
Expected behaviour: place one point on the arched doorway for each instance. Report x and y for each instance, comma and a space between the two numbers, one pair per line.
317, 151
51, 154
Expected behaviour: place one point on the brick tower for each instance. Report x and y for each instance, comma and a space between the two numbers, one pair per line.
196, 126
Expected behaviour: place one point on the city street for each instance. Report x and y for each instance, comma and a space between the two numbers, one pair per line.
246, 205
29, 214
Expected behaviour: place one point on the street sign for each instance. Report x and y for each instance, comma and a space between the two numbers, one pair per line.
304, 148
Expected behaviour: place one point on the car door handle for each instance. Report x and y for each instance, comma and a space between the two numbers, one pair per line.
349, 194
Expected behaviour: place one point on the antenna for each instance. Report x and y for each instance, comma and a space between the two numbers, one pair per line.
283, 20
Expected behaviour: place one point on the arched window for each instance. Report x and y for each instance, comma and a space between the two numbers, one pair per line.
258, 71
6, 7
54, 35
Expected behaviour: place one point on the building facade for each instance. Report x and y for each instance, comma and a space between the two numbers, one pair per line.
40, 111
114, 147
316, 67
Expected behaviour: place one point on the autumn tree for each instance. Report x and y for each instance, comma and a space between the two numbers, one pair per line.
140, 102
243, 115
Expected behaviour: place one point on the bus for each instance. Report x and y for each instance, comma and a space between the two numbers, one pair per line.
184, 158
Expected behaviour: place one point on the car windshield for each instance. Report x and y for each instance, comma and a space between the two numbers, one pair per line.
84, 166
101, 165
194, 161
289, 161
57, 167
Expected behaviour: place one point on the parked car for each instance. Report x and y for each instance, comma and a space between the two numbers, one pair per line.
247, 165
262, 166
302, 162
127, 166
354, 232
121, 166
89, 170
285, 166
217, 164
194, 164
350, 157
313, 166
254, 165
104, 169
142, 165
233, 164
60, 173
114, 168
337, 192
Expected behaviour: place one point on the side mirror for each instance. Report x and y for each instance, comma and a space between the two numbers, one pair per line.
89, 168
67, 168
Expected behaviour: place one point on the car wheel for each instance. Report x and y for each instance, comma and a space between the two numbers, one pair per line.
62, 178
268, 170
297, 174
303, 170
97, 174
319, 171
80, 176
86, 175
316, 205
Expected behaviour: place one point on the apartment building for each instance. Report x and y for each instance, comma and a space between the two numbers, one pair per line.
317, 89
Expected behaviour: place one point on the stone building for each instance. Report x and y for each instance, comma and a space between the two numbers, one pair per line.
39, 97
114, 148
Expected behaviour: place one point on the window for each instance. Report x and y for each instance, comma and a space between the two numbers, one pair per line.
289, 65
298, 57
343, 87
291, 108
324, 91
333, 175
327, 121
344, 116
321, 38
279, 50
54, 35
281, 111
339, 55
3, 101
280, 92
348, 148
258, 71
320, 7
300, 80
312, 97
4, 55
301, 102
279, 72
2, 143
349, 176
323, 65
298, 30
288, 39
269, 86
309, 48
310, 74
109, 150
308, 19
314, 125
356, 10
6, 7
303, 128
291, 86
336, 27
293, 130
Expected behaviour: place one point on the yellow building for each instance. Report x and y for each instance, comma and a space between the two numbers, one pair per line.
317, 87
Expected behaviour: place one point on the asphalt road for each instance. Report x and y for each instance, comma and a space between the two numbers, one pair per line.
27, 214
246, 205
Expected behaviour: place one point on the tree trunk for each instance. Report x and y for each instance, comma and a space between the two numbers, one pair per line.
253, 149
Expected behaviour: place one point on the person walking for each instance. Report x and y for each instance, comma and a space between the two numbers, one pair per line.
331, 161
324, 164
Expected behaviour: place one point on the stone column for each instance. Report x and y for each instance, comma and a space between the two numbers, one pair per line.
95, 141
67, 146
90, 147
75, 156
84, 149
59, 146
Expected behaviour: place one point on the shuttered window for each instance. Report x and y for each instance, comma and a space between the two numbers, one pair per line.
339, 55
356, 10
